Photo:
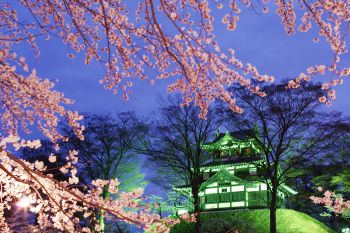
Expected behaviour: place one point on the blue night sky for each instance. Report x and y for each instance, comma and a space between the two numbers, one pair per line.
258, 39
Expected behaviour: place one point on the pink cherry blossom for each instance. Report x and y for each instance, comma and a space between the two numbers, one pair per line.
332, 201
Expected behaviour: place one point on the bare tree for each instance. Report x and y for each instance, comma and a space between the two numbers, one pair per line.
175, 145
106, 152
292, 129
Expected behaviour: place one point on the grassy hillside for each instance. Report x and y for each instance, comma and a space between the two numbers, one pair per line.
255, 221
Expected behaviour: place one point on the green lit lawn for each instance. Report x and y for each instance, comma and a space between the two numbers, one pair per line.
255, 221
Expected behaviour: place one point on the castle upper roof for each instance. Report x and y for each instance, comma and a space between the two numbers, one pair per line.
239, 134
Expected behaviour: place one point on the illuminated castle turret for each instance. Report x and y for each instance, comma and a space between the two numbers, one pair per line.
233, 177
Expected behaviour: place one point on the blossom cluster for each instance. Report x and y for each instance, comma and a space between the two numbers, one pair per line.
332, 201
29, 100
331, 20
129, 45
58, 203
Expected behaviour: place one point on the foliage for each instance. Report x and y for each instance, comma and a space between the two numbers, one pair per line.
245, 221
164, 206
342, 180
336, 163
183, 227
306, 177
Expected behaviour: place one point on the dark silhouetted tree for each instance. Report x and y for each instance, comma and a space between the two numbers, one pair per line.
106, 152
175, 143
292, 130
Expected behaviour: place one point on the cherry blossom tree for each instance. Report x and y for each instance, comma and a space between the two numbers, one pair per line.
57, 204
334, 202
128, 44
174, 37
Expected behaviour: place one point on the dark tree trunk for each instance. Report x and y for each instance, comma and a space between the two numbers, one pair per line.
160, 210
273, 206
196, 208
273, 228
105, 195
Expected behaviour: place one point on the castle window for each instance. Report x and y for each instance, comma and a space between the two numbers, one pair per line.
253, 196
224, 197
223, 153
212, 198
238, 196
216, 154
224, 183
235, 152
247, 151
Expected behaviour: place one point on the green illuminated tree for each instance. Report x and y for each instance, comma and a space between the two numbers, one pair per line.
329, 171
337, 165
342, 180
292, 130
164, 205
174, 145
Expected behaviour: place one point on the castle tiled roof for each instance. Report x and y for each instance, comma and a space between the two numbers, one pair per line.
234, 160
240, 134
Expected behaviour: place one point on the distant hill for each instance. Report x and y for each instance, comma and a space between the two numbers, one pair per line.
255, 221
